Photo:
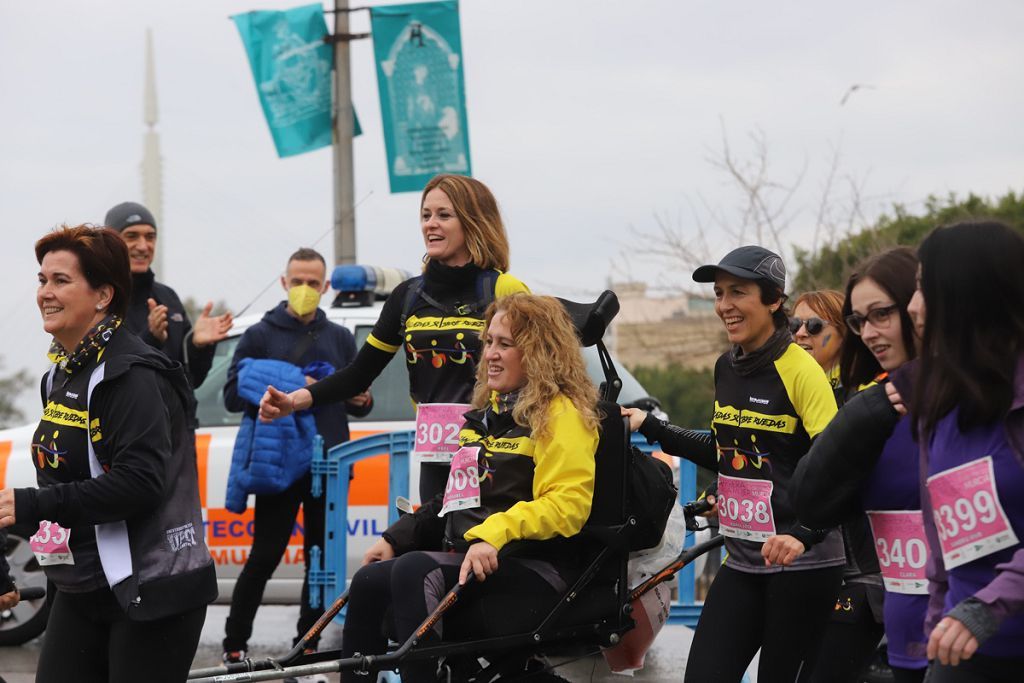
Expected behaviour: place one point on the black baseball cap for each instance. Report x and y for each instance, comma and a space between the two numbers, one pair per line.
127, 214
750, 263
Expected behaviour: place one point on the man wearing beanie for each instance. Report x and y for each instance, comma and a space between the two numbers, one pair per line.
155, 312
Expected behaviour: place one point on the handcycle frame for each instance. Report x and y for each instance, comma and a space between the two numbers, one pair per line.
608, 533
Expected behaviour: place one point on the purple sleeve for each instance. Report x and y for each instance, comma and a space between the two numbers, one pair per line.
938, 584
1005, 594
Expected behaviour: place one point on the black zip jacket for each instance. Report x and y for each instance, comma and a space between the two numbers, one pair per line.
178, 346
144, 440
827, 484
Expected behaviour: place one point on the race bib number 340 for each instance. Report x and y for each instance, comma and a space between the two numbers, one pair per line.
902, 550
437, 430
51, 544
745, 508
968, 516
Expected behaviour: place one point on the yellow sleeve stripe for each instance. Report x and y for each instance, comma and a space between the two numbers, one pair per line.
508, 284
808, 389
383, 346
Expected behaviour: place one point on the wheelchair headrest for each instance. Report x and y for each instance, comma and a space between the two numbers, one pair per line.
591, 320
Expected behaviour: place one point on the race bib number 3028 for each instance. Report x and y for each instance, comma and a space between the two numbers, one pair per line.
968, 516
51, 544
437, 430
745, 508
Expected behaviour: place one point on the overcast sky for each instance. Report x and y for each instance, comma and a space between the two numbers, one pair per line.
587, 119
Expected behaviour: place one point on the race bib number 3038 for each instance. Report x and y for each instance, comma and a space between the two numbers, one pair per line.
745, 508
51, 544
968, 516
437, 430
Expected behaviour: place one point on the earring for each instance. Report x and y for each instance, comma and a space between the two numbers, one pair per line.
99, 307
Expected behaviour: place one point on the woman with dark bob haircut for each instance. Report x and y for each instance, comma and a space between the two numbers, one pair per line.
969, 405
120, 530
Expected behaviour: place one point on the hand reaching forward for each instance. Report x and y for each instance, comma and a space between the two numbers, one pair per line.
275, 403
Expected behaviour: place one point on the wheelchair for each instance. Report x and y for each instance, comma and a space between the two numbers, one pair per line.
592, 614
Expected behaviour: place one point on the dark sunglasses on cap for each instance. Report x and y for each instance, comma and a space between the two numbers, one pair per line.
814, 325
880, 318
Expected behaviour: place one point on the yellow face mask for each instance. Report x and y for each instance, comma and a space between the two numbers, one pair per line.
303, 299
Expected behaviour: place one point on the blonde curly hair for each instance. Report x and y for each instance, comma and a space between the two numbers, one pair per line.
551, 358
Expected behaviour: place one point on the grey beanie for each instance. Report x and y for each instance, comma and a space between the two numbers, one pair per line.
127, 214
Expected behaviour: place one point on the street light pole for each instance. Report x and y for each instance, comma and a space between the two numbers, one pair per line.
344, 179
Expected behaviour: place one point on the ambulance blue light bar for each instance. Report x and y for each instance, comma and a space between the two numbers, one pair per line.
374, 281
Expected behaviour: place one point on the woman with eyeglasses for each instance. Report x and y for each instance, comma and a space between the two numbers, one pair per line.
776, 590
817, 327
855, 628
969, 410
866, 459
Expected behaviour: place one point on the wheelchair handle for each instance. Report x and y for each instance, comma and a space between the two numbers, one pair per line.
31, 592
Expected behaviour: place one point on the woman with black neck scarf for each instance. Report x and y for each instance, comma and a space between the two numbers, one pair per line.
435, 319
778, 586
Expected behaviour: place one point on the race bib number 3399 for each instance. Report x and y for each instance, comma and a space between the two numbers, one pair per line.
968, 516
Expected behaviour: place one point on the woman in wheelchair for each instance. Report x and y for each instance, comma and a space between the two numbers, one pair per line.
525, 471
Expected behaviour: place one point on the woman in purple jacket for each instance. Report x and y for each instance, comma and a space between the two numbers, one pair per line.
969, 410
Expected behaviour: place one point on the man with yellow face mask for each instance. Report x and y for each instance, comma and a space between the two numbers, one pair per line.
296, 344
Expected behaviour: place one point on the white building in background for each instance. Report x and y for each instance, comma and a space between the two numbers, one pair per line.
657, 331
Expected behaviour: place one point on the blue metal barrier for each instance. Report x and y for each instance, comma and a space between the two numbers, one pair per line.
331, 478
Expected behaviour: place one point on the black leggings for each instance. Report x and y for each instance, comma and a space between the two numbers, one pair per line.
521, 592
850, 640
273, 522
89, 639
783, 614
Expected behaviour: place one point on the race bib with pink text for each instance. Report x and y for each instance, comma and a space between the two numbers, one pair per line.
437, 430
51, 544
968, 516
745, 508
463, 489
902, 550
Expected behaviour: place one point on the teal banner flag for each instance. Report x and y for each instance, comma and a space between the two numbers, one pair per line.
418, 50
292, 65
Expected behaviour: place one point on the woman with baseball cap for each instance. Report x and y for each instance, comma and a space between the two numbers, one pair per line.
778, 586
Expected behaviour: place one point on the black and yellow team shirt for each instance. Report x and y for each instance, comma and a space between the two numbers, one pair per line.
763, 424
441, 343
439, 335
60, 456
530, 488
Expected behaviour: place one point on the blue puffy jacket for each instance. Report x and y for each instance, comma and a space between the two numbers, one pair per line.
268, 457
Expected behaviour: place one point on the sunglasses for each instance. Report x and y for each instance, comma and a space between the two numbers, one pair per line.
814, 325
879, 318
